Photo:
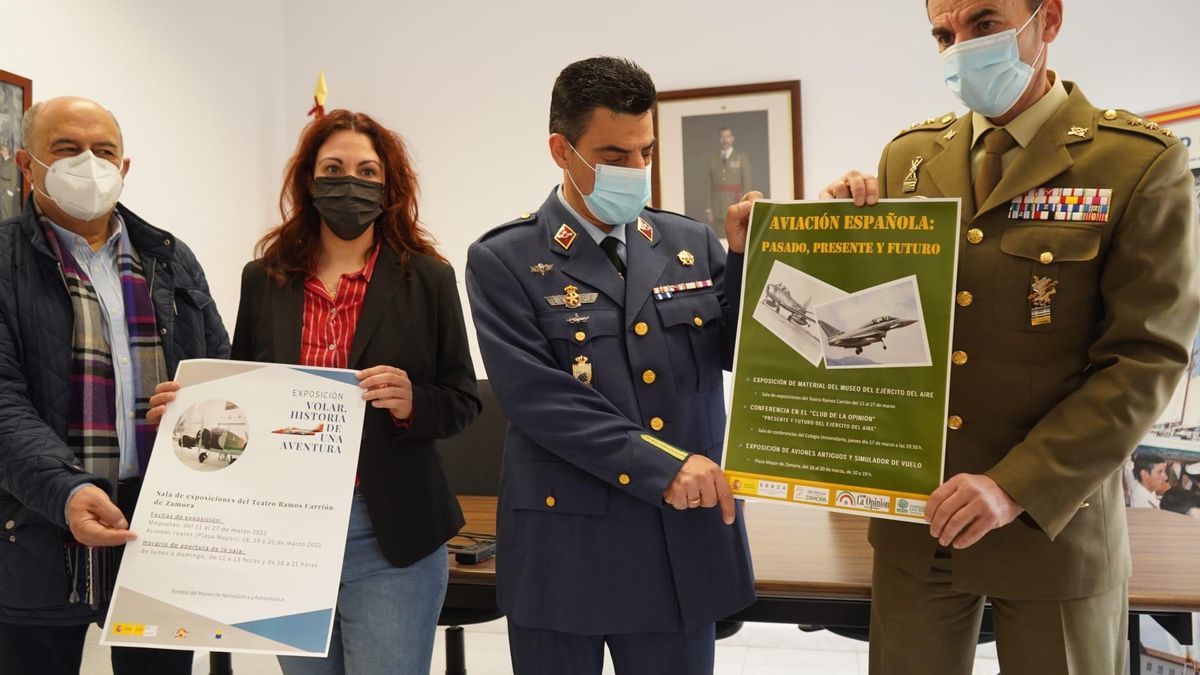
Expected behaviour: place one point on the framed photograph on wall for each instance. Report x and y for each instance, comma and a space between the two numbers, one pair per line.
16, 95
718, 143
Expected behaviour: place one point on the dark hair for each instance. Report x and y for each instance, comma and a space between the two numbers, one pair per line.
1145, 462
1179, 500
620, 85
292, 248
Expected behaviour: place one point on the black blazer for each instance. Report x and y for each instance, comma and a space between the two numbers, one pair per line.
411, 319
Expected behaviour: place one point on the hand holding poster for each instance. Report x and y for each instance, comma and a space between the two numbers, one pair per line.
842, 367
242, 516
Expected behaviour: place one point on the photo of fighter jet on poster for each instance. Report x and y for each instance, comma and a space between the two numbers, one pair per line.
879, 327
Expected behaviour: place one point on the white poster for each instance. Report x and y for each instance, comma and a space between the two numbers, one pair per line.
242, 517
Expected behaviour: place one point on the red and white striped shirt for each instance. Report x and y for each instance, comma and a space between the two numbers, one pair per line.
330, 322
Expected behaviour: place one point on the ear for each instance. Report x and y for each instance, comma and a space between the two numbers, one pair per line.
124, 167
560, 147
1052, 17
24, 162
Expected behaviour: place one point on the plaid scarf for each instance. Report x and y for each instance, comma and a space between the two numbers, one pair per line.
92, 425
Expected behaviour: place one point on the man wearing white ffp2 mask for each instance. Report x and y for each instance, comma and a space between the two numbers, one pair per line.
1077, 304
89, 288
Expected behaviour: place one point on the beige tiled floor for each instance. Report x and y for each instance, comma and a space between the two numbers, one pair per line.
758, 649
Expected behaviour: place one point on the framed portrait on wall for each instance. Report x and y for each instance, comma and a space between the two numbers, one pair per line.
16, 93
718, 143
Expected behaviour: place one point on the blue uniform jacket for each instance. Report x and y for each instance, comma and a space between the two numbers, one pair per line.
585, 543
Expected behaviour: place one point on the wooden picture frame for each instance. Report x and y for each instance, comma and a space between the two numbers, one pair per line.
718, 141
16, 95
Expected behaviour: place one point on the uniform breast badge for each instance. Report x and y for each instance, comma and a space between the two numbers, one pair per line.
686, 258
582, 370
1041, 297
910, 181
576, 320
571, 298
541, 268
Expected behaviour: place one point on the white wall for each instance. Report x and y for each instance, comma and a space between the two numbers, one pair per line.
468, 83
197, 89
212, 94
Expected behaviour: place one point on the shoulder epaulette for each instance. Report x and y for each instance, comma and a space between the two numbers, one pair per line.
676, 214
1126, 121
931, 124
520, 220
652, 209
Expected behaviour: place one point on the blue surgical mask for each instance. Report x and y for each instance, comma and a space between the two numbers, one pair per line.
619, 194
987, 73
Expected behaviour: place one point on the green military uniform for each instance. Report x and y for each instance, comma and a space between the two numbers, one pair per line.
1076, 308
728, 179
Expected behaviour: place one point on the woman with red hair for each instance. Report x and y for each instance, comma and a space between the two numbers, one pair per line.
351, 280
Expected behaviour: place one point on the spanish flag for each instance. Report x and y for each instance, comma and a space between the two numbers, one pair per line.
318, 109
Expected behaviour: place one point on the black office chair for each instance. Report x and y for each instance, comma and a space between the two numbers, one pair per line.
472, 463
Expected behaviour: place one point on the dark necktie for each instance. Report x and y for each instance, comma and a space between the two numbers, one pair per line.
610, 245
996, 142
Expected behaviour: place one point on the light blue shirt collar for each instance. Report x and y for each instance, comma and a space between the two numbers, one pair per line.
77, 244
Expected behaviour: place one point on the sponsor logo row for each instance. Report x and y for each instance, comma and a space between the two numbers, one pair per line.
846, 499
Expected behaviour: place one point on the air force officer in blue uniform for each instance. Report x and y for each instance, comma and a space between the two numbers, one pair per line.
605, 327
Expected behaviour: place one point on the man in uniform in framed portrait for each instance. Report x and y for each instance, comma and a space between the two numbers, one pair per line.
729, 176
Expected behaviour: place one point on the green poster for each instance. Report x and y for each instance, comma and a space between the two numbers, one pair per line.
842, 371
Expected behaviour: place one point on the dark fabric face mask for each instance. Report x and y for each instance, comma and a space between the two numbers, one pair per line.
348, 205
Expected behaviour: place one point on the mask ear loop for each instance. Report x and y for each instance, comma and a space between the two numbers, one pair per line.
585, 163
1031, 18
1042, 50
33, 184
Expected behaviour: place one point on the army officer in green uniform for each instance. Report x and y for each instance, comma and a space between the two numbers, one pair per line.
729, 176
1076, 307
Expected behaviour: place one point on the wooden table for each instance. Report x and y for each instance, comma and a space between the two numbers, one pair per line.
814, 567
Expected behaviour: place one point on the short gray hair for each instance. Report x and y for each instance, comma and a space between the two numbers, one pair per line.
29, 120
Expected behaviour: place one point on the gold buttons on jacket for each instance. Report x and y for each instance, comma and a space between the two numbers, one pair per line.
649, 376
580, 336
974, 235
9, 525
1046, 257
954, 422
623, 479
1110, 115
958, 358
550, 501
656, 423
641, 328
964, 298
698, 321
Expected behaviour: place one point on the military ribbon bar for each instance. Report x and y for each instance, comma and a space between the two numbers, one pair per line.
1069, 204
665, 292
